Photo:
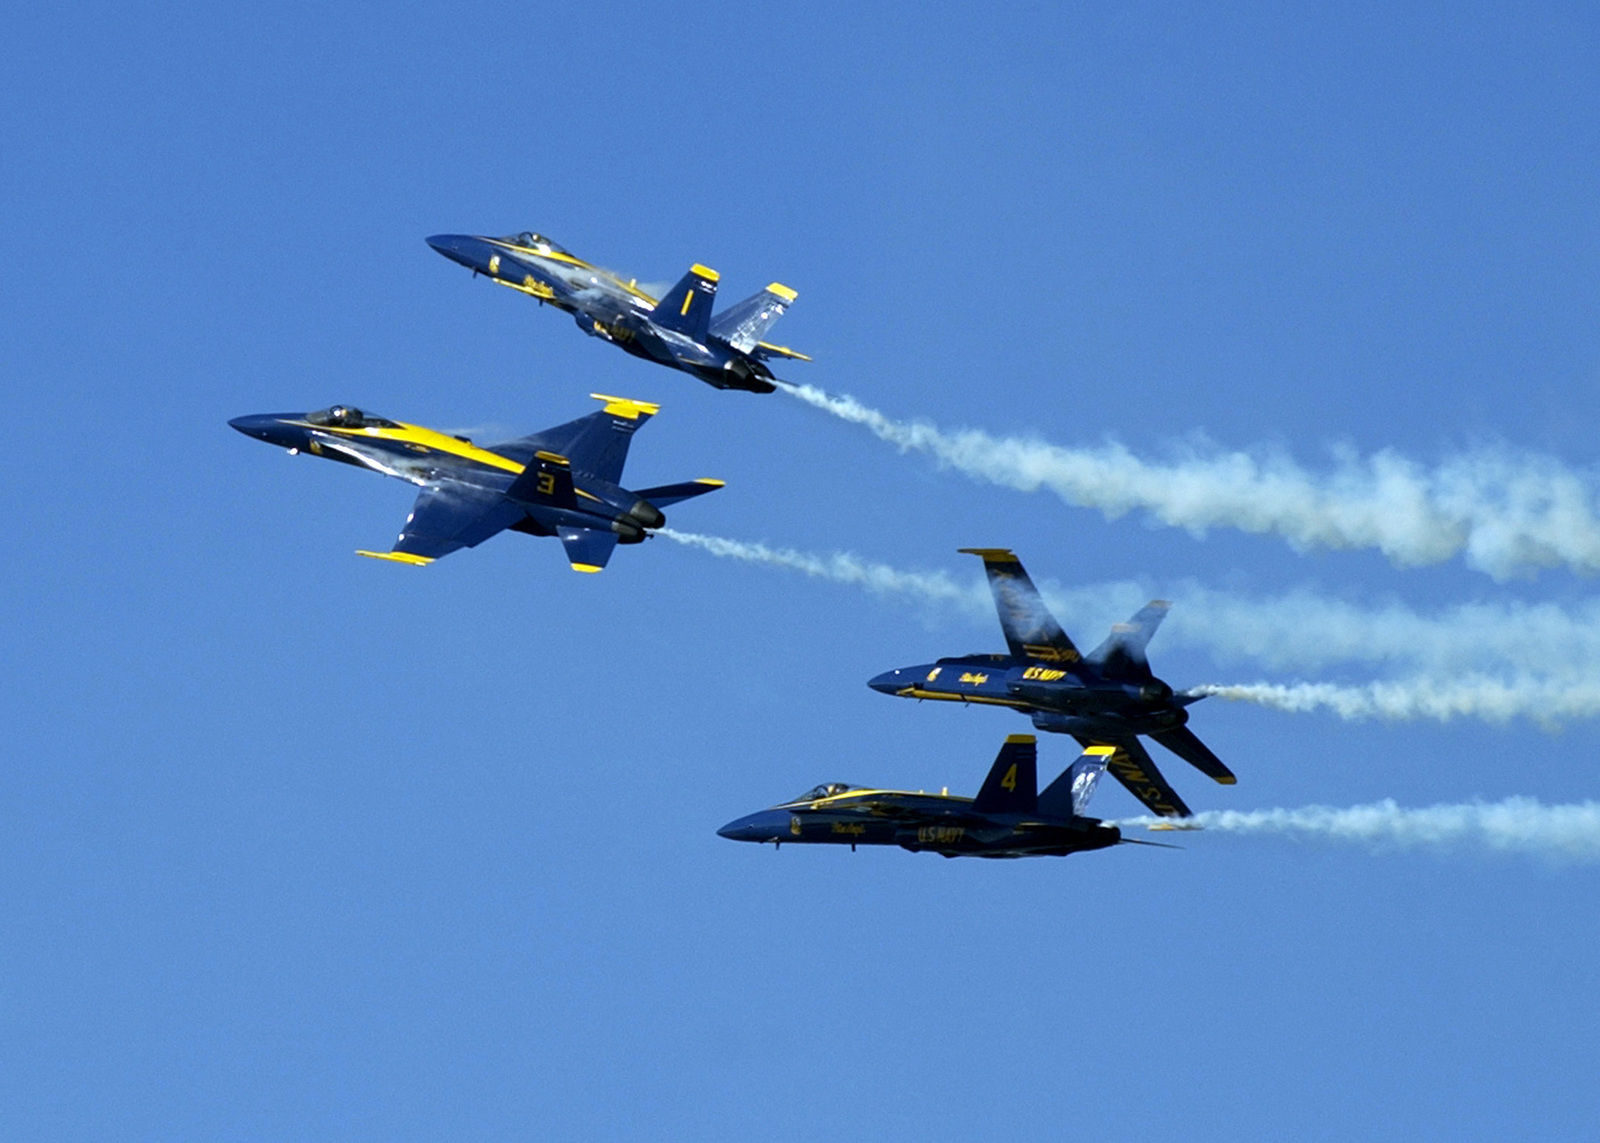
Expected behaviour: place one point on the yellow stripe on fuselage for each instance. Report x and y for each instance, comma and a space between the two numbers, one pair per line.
577, 263
427, 438
831, 799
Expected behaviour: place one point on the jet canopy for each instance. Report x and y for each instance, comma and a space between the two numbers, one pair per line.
347, 417
536, 242
827, 790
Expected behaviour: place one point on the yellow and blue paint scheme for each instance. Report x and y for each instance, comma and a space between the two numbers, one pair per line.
1107, 697
677, 329
560, 482
1009, 817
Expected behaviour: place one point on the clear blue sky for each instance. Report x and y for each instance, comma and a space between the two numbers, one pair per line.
298, 845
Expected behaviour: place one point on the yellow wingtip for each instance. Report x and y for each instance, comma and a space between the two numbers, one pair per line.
590, 568
1003, 555
1021, 739
713, 483
782, 291
626, 406
705, 272
397, 557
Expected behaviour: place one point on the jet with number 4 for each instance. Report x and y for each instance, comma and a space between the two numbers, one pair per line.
676, 329
1108, 697
1010, 817
560, 482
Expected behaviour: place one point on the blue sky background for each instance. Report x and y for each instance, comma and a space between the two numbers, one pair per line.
299, 845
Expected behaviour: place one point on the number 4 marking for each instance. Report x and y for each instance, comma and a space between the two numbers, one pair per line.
1010, 780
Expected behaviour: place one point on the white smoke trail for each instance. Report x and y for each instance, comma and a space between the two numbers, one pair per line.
844, 567
1548, 701
1560, 834
1551, 656
1508, 513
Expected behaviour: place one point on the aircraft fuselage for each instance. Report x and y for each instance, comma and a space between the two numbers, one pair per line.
1065, 698
920, 822
426, 457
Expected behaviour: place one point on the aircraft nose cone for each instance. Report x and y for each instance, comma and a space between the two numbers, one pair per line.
272, 428
764, 826
258, 426
460, 248
890, 682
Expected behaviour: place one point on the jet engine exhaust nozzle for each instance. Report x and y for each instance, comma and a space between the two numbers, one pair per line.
647, 514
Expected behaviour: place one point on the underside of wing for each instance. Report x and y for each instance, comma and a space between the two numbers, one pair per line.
446, 518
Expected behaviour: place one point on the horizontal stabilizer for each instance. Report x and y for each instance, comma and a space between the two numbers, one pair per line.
1013, 782
588, 550
1069, 794
1122, 655
766, 349
686, 308
668, 494
1031, 631
1186, 745
743, 324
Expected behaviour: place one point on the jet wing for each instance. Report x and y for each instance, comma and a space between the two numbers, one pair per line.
1132, 766
447, 518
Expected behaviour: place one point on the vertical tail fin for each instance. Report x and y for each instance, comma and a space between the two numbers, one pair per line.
546, 480
743, 324
596, 444
687, 306
1122, 656
1068, 795
1031, 631
1013, 782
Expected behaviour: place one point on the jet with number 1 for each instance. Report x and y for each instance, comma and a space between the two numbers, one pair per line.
676, 330
559, 482
1107, 697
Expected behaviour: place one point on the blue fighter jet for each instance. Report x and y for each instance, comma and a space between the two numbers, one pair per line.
559, 482
676, 330
1008, 818
1108, 697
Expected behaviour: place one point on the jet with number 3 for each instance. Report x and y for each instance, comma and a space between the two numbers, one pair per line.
676, 330
1107, 697
1010, 817
560, 482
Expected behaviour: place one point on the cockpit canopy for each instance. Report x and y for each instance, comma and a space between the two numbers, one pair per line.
536, 242
347, 417
827, 790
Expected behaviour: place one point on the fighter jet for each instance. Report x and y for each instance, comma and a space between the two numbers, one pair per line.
559, 482
677, 330
1008, 818
1108, 697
